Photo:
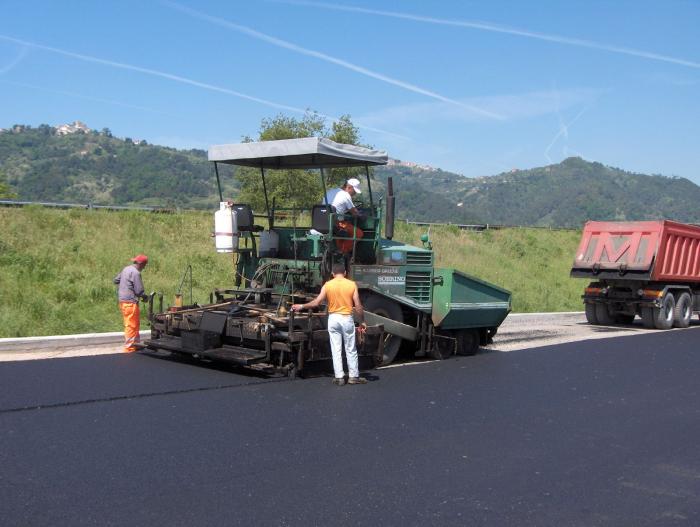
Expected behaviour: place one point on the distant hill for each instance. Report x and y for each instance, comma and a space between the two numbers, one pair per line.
565, 194
88, 166
94, 167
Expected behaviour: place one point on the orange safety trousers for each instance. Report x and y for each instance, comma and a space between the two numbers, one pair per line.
345, 246
132, 325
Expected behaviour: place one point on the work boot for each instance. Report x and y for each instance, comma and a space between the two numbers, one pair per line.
340, 381
357, 380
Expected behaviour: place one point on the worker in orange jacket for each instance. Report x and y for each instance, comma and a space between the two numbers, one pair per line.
130, 291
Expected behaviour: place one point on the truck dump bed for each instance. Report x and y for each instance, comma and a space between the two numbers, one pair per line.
659, 251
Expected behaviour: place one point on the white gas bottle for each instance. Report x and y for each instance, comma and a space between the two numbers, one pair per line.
225, 229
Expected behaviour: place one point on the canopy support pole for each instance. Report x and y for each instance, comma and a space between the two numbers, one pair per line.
369, 186
267, 203
218, 181
323, 183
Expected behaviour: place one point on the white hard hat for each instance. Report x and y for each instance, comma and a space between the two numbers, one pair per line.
355, 183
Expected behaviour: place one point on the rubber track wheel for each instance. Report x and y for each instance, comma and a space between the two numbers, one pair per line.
389, 309
602, 313
590, 314
683, 311
467, 342
443, 348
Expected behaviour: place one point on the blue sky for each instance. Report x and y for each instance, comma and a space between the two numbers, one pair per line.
472, 87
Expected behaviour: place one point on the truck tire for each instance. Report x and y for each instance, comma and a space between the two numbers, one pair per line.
590, 314
602, 313
683, 310
663, 316
467, 342
389, 309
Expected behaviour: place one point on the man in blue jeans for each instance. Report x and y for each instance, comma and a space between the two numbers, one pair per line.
341, 295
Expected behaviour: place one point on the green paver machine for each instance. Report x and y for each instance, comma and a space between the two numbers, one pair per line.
408, 302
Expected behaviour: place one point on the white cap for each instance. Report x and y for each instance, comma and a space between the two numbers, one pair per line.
355, 183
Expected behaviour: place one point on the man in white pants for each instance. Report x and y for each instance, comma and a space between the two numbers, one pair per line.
342, 296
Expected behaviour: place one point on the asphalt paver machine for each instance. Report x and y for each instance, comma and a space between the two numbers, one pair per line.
409, 303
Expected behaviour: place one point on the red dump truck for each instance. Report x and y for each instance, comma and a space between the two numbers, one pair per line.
645, 268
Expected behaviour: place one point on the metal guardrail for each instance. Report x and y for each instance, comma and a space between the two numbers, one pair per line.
485, 226
462, 226
14, 203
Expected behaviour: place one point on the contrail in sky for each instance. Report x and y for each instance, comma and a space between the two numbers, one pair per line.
485, 26
328, 58
563, 131
177, 78
86, 97
20, 56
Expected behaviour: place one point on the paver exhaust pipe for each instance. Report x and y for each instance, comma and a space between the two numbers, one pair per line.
390, 209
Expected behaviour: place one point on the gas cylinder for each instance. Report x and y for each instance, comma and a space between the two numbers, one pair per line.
225, 229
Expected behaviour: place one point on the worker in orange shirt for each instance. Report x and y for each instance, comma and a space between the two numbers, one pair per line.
341, 295
130, 291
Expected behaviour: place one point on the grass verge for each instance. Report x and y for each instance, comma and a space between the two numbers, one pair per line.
56, 266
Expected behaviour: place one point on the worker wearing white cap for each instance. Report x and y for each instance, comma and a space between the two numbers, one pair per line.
344, 205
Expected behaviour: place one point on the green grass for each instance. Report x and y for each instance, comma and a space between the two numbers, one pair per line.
533, 264
56, 266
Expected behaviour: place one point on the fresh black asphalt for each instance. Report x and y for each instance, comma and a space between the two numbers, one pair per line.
603, 432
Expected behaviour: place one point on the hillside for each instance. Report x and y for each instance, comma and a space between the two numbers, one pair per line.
97, 168
94, 167
566, 194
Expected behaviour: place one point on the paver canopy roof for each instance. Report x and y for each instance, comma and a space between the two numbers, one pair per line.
307, 152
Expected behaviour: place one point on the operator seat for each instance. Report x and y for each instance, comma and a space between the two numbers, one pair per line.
321, 218
244, 218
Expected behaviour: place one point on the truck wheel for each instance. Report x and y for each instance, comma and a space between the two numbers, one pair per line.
602, 313
590, 314
386, 308
467, 342
663, 316
682, 311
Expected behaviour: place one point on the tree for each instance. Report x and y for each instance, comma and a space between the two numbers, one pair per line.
344, 131
5, 190
283, 127
295, 188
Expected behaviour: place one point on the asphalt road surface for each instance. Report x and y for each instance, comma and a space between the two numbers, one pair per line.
596, 432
